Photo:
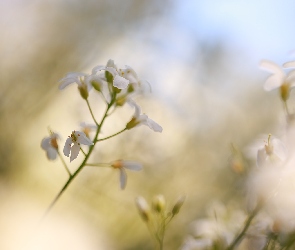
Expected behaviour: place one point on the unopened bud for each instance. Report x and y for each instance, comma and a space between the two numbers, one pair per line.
130, 88
159, 203
83, 91
121, 101
96, 85
143, 208
133, 123
285, 91
178, 205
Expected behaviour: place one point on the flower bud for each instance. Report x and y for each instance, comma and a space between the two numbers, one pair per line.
121, 101
96, 85
143, 208
83, 91
133, 123
178, 205
159, 203
285, 91
130, 88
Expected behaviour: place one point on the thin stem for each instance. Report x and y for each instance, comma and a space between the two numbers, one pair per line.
64, 163
83, 151
286, 108
103, 139
242, 233
71, 178
91, 112
98, 164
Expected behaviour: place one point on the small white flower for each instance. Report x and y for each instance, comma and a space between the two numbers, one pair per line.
72, 145
122, 166
272, 152
122, 77
88, 128
143, 208
85, 82
278, 79
49, 144
73, 77
142, 119
119, 81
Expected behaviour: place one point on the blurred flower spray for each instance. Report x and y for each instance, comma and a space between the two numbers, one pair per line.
269, 220
117, 88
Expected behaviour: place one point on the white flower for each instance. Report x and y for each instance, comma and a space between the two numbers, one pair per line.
49, 144
279, 79
122, 165
73, 143
72, 77
272, 151
220, 227
87, 128
85, 82
143, 208
142, 119
122, 77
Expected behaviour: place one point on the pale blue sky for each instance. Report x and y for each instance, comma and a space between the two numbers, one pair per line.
262, 29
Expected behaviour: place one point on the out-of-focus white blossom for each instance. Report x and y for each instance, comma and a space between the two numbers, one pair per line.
85, 82
272, 152
73, 144
49, 144
278, 79
122, 166
87, 128
143, 208
142, 119
219, 228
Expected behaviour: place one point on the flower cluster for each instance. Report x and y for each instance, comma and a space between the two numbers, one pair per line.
158, 216
267, 178
116, 87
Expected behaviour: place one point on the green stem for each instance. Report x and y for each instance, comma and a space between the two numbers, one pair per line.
286, 108
64, 164
242, 233
91, 112
103, 139
71, 178
82, 151
98, 164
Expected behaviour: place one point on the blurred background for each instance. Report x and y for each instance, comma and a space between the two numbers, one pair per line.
201, 58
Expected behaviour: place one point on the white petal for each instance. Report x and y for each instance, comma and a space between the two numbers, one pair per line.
142, 204
66, 83
120, 82
74, 75
82, 138
261, 157
90, 126
130, 74
111, 63
45, 143
136, 107
51, 153
273, 82
279, 148
154, 126
112, 70
123, 178
271, 67
74, 151
289, 64
97, 68
67, 147
132, 165
291, 78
